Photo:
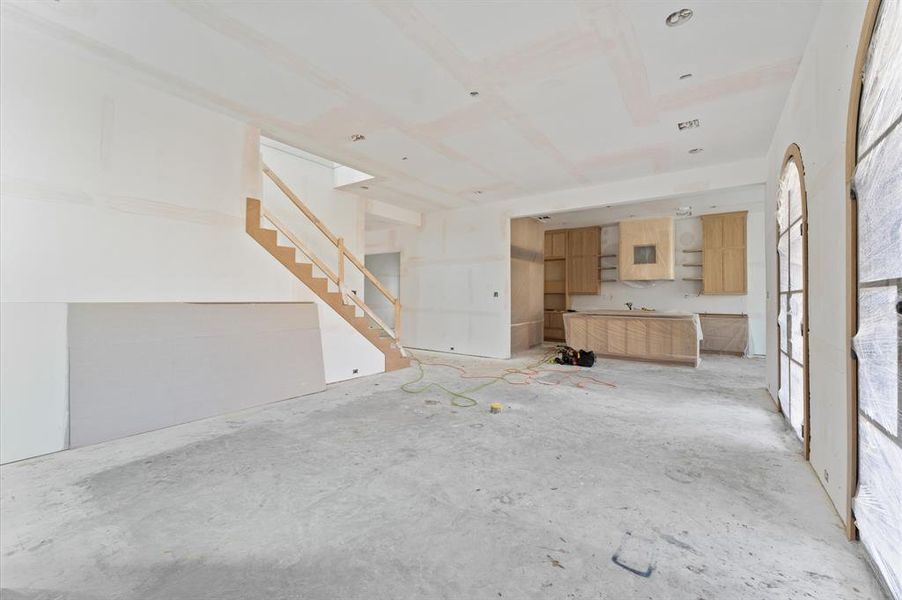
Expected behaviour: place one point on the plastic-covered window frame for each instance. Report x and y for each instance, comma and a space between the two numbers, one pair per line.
792, 230
876, 190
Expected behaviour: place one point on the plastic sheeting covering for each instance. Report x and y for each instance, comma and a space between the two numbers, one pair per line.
791, 311
878, 188
878, 503
882, 77
877, 348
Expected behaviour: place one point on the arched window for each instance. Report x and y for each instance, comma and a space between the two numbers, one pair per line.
874, 166
792, 243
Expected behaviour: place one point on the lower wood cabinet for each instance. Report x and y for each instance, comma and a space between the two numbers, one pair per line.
554, 325
639, 336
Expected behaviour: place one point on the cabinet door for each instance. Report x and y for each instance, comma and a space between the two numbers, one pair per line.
556, 243
712, 256
724, 257
584, 246
734, 253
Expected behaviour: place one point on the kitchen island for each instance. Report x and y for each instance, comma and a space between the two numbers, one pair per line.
669, 337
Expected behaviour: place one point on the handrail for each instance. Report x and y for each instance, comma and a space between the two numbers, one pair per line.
369, 312
328, 272
336, 241
297, 202
343, 253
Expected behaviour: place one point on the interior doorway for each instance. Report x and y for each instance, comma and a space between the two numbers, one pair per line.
387, 269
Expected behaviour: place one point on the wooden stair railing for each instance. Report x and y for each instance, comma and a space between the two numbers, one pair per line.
386, 338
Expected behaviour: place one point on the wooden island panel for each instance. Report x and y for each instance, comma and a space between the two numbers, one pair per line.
658, 337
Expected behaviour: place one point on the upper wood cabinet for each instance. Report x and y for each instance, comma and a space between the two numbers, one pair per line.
724, 256
583, 248
556, 243
580, 248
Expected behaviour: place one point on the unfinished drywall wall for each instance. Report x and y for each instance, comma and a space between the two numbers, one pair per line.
527, 283
33, 379
111, 190
724, 176
455, 280
140, 366
683, 294
815, 117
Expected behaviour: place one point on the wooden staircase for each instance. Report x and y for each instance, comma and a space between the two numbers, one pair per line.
344, 302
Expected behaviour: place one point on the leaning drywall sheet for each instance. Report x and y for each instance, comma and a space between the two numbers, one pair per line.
136, 367
33, 403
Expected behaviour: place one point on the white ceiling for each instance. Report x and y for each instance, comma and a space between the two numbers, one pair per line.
570, 93
749, 198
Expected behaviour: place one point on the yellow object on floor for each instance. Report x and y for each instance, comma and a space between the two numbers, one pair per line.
495, 407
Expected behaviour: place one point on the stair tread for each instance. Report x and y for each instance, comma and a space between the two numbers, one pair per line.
303, 270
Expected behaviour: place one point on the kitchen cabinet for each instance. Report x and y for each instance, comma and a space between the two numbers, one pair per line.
724, 253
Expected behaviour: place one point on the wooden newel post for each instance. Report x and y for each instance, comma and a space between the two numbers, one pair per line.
398, 320
341, 262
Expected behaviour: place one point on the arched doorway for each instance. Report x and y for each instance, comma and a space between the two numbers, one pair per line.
792, 296
874, 176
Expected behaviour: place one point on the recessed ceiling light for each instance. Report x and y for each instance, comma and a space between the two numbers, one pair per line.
474, 93
685, 75
678, 17
357, 137
696, 150
688, 124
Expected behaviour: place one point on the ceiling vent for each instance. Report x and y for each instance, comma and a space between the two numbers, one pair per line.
688, 124
684, 211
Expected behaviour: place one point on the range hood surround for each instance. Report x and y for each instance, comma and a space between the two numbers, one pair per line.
646, 249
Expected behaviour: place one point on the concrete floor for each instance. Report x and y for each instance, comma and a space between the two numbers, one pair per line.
678, 483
